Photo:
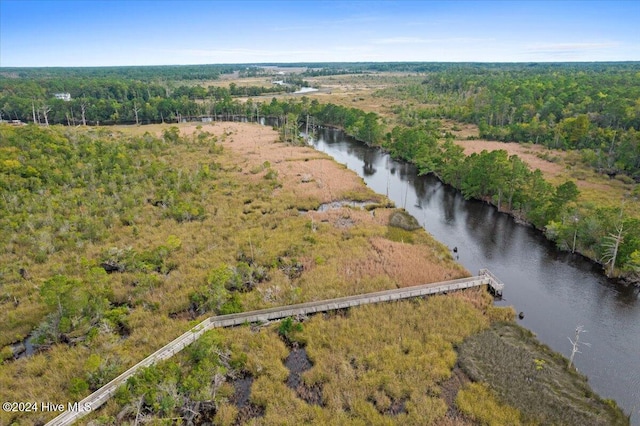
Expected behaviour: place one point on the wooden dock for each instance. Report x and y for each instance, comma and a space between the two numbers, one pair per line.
99, 397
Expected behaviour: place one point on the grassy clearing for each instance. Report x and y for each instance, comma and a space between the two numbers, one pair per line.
530, 377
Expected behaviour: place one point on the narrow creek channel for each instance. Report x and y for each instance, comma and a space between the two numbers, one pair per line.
555, 291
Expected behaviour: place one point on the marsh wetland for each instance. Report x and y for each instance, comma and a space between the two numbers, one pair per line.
121, 237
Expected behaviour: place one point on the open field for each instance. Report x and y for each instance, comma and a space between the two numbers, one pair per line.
360, 91
467, 136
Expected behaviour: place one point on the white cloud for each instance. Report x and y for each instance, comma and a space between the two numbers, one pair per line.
420, 40
241, 53
570, 47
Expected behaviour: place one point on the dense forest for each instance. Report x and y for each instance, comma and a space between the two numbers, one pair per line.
594, 108
142, 73
129, 97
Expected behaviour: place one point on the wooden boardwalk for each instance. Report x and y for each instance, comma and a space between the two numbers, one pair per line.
99, 397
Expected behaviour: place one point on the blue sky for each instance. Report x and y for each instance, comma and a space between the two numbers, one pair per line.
101, 33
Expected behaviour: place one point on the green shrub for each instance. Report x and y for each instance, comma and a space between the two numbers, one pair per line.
271, 175
402, 219
627, 180
257, 169
185, 211
289, 326
231, 306
5, 354
78, 388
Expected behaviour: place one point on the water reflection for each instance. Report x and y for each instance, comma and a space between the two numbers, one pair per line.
368, 159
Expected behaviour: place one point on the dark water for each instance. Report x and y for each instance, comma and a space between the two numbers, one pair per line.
297, 363
556, 291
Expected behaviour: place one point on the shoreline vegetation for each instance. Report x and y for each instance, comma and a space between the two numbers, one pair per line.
101, 268
630, 278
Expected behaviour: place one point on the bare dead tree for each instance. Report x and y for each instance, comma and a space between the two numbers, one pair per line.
138, 408
33, 110
576, 219
611, 151
136, 109
83, 110
46, 109
612, 244
73, 117
575, 343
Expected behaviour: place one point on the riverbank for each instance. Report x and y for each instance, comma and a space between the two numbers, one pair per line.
556, 291
554, 227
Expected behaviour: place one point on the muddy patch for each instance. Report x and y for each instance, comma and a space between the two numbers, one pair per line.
24, 348
298, 362
450, 388
246, 409
388, 406
242, 387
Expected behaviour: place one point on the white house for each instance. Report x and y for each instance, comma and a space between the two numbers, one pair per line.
63, 96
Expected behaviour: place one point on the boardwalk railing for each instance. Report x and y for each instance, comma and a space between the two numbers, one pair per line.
495, 284
99, 397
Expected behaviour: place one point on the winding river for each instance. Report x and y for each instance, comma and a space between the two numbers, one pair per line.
555, 291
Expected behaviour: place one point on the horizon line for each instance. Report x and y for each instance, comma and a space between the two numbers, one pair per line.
302, 63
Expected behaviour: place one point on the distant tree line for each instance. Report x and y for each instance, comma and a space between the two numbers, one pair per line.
116, 100
141, 73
